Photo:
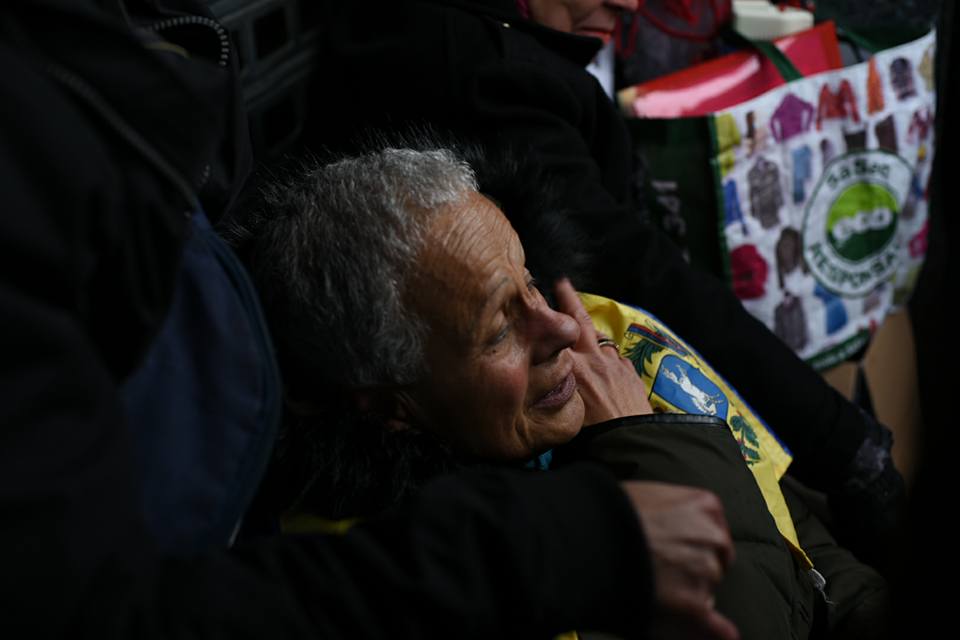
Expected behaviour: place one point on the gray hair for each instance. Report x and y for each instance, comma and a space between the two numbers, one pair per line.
331, 252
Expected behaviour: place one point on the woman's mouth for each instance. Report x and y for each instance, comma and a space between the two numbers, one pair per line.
604, 34
559, 395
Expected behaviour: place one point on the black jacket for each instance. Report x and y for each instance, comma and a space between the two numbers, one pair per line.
108, 138
766, 592
478, 68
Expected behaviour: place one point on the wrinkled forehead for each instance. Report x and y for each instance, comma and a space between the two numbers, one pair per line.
470, 251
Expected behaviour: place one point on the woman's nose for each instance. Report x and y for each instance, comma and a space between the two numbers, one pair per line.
552, 333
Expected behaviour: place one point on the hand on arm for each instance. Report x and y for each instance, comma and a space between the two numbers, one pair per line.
690, 548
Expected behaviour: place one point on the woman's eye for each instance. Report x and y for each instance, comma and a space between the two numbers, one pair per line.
501, 335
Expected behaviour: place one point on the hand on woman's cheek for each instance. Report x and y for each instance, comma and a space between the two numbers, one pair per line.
607, 383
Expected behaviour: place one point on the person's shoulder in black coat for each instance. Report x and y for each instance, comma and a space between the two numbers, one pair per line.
106, 137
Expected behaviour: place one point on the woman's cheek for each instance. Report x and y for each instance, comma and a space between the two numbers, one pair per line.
505, 388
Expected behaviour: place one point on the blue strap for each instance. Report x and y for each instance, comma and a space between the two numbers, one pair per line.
204, 407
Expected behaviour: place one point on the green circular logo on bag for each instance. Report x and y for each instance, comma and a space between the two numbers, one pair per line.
862, 220
850, 224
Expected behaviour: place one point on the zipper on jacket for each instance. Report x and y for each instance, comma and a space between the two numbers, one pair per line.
223, 61
217, 28
819, 583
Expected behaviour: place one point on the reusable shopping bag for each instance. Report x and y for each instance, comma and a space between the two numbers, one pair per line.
809, 199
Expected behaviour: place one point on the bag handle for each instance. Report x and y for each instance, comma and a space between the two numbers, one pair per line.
858, 41
860, 44
784, 66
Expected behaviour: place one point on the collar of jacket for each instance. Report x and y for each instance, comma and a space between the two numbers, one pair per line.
578, 49
177, 101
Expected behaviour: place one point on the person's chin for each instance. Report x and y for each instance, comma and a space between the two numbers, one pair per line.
578, 411
566, 422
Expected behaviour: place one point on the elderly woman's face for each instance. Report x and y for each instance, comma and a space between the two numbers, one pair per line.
500, 382
596, 18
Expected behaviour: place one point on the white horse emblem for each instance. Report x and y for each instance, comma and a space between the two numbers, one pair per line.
701, 399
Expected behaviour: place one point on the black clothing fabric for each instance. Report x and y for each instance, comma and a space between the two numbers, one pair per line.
857, 598
478, 68
108, 138
474, 556
925, 606
766, 593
